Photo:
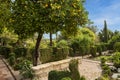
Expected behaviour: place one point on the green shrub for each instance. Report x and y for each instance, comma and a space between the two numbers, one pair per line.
11, 59
20, 52
5, 51
104, 46
58, 75
45, 55
117, 46
113, 40
81, 45
106, 70
103, 60
93, 51
62, 44
17, 66
26, 70
73, 67
82, 78
116, 59
60, 53
66, 78
99, 49
71, 53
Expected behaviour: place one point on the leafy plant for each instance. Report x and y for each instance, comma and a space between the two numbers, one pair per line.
26, 70
116, 59
11, 59
73, 67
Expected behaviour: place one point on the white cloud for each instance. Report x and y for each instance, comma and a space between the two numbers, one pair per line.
110, 13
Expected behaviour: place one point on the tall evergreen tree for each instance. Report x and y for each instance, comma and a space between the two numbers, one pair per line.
105, 32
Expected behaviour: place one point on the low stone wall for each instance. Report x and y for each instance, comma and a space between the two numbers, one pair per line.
41, 71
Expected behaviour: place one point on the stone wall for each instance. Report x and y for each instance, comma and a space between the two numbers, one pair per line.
41, 71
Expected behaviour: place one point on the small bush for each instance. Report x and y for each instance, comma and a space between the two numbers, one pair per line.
11, 59
5, 51
60, 53
66, 78
93, 51
73, 67
62, 44
20, 52
58, 75
117, 47
116, 59
26, 70
45, 55
99, 49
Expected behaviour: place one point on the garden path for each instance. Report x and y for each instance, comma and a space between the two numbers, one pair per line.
90, 69
4, 72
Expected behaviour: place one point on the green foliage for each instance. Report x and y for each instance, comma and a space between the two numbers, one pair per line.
26, 70
62, 44
58, 75
82, 78
116, 59
60, 53
93, 51
5, 13
106, 71
87, 32
117, 47
46, 16
113, 40
20, 52
81, 45
99, 49
105, 32
103, 78
51, 14
11, 59
5, 51
73, 67
103, 60
66, 78
46, 55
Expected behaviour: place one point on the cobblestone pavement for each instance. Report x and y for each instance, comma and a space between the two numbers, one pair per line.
90, 69
4, 72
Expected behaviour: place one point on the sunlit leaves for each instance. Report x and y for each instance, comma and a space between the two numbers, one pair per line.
47, 15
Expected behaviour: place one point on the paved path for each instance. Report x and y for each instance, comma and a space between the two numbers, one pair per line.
90, 69
4, 72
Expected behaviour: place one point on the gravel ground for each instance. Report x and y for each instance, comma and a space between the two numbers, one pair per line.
90, 69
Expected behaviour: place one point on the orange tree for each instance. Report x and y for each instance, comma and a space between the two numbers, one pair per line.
44, 16
4, 13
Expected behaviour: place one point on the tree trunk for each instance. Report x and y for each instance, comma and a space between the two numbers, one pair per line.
36, 53
50, 38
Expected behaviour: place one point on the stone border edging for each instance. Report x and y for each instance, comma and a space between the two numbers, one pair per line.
4, 61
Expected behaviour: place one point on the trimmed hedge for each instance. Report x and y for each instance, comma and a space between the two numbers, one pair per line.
58, 75
45, 55
60, 53
72, 74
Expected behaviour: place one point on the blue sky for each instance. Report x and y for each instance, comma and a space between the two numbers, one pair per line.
100, 10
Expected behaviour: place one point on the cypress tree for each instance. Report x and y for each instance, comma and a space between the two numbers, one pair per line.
105, 32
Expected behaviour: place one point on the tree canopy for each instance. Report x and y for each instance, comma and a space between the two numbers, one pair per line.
43, 16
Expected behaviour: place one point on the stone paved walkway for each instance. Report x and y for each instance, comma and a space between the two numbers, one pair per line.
90, 69
4, 72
